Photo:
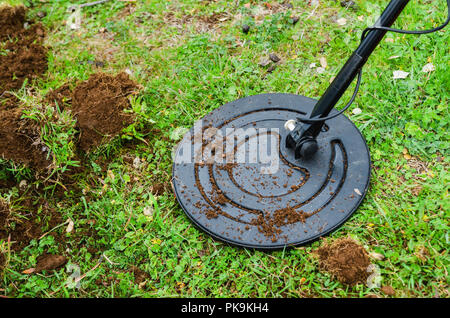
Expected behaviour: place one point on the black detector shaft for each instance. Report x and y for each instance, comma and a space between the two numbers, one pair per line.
302, 138
348, 73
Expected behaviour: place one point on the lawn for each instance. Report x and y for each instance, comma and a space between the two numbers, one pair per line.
111, 212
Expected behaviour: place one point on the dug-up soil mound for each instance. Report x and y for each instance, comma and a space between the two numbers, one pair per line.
12, 20
98, 104
61, 97
20, 233
20, 141
26, 57
19, 227
346, 260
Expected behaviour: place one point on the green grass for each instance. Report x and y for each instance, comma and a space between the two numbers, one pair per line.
186, 70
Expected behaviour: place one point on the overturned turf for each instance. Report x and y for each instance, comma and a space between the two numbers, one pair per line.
346, 260
60, 97
20, 226
15, 230
20, 140
12, 20
24, 55
98, 104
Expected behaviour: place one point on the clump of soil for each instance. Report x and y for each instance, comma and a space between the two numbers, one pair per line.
346, 260
17, 231
211, 214
267, 227
388, 290
62, 96
47, 262
20, 227
21, 63
20, 141
23, 58
26, 57
12, 20
98, 105
8, 101
159, 188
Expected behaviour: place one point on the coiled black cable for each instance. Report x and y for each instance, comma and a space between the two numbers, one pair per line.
358, 82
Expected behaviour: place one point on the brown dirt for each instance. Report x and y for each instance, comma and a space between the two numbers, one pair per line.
388, 290
346, 260
159, 188
2, 261
47, 262
289, 215
26, 57
98, 105
20, 141
139, 275
8, 101
20, 227
62, 96
11, 21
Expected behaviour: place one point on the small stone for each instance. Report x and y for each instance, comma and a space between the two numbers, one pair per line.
295, 20
341, 21
263, 61
356, 111
428, 68
349, 4
320, 70
271, 68
245, 28
400, 75
323, 62
274, 58
148, 211
137, 163
70, 226
41, 14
